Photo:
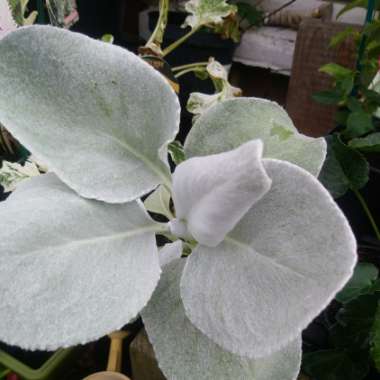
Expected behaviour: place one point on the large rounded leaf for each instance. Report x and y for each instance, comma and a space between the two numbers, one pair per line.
183, 352
71, 270
280, 266
95, 113
236, 121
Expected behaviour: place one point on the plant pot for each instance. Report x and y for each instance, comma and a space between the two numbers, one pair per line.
48, 370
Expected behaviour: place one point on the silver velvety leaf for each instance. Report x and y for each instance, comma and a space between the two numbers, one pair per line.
211, 194
96, 114
277, 270
236, 121
71, 269
184, 353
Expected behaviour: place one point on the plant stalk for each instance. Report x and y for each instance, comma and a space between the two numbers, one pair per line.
368, 213
158, 34
189, 65
189, 70
179, 42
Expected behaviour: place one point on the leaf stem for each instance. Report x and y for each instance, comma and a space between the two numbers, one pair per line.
179, 42
368, 213
158, 34
189, 70
189, 65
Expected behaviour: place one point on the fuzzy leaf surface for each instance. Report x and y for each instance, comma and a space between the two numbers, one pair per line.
71, 269
96, 114
292, 251
183, 352
211, 194
236, 121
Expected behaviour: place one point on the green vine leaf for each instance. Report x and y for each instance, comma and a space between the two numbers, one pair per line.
344, 168
360, 283
207, 12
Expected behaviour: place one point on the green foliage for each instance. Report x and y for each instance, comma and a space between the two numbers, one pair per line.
370, 143
251, 13
335, 364
344, 168
19, 10
176, 152
361, 282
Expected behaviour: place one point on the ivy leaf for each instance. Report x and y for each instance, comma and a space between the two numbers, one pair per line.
375, 339
358, 123
207, 12
344, 169
71, 269
233, 122
360, 283
336, 364
183, 352
370, 143
293, 250
85, 111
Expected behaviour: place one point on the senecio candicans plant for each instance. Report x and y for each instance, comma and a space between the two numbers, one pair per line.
266, 247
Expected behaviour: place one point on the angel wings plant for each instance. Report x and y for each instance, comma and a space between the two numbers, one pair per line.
78, 255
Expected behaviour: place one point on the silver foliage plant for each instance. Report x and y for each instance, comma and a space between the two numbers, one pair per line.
259, 246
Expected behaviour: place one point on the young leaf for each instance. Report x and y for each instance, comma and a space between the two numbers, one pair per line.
11, 173
233, 122
370, 143
360, 283
71, 269
375, 339
159, 202
96, 114
211, 194
292, 251
7, 23
183, 352
176, 152
199, 103
207, 12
